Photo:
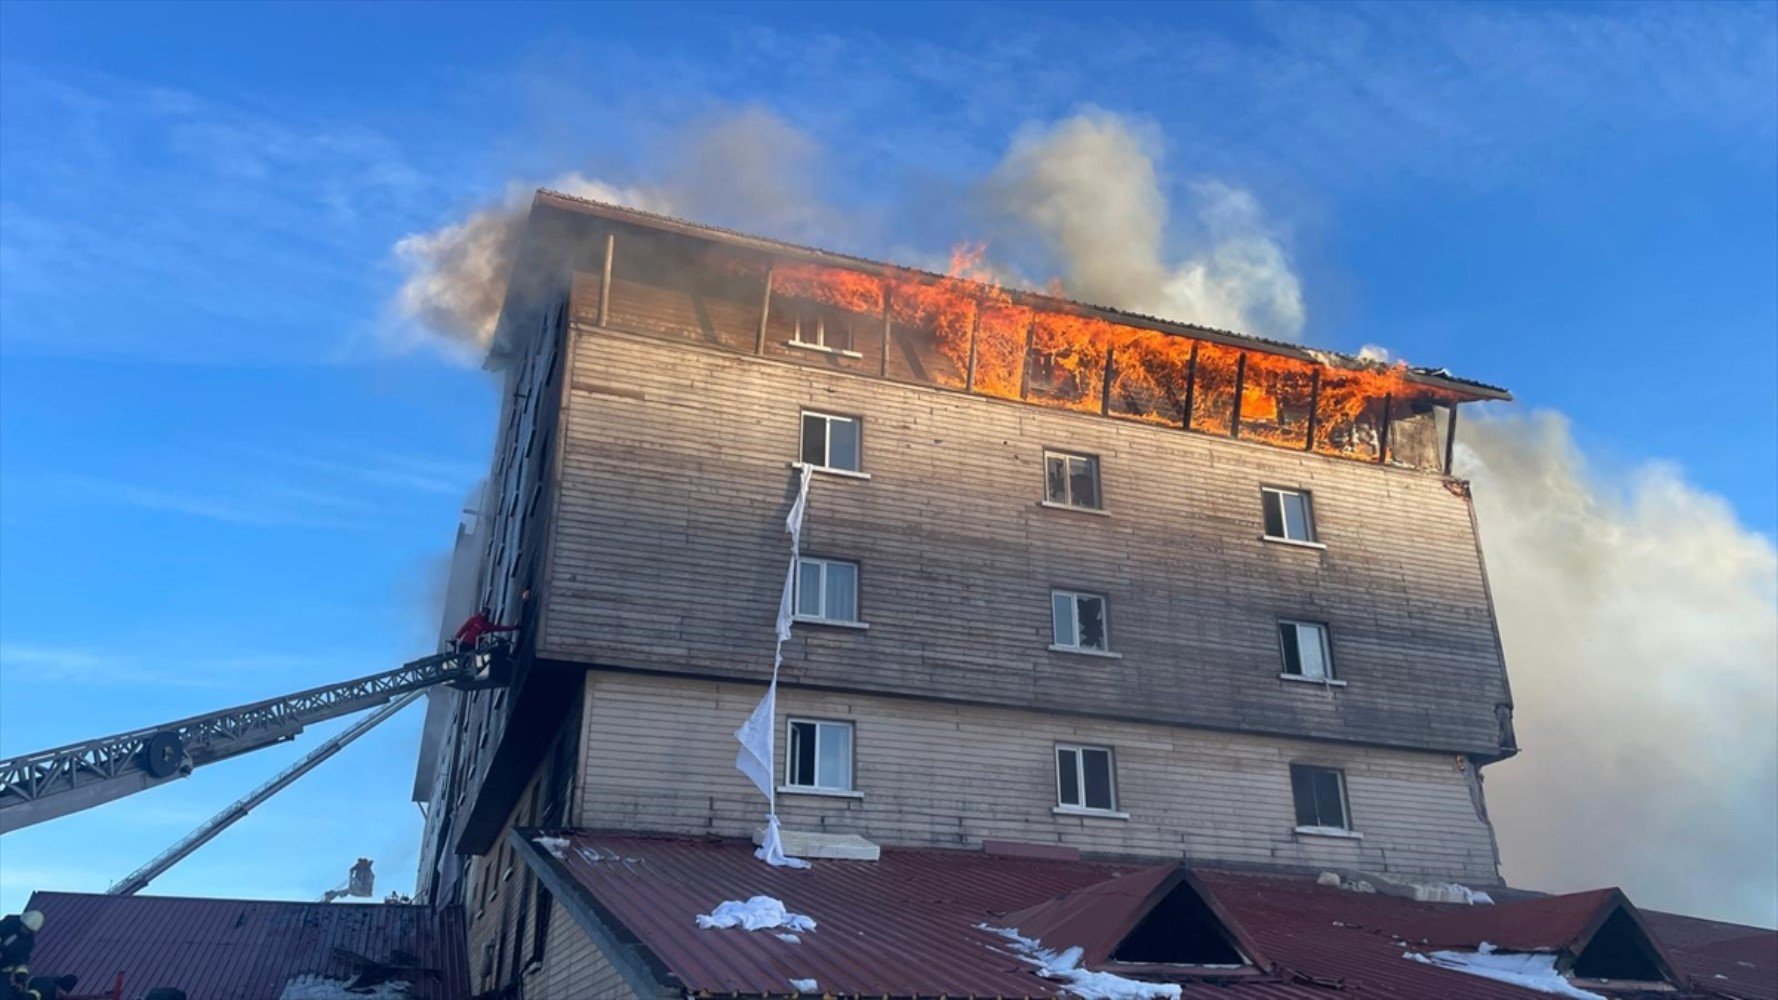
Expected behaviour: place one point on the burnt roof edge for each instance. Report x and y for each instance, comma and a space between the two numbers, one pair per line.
1433, 378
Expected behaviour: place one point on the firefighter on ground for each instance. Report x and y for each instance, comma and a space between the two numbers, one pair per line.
18, 935
54, 987
479, 624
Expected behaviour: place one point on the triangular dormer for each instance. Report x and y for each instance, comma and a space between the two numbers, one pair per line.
1159, 921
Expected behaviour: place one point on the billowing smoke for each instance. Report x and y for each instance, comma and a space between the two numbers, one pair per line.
747, 168
1639, 617
1640, 621
456, 275
1089, 189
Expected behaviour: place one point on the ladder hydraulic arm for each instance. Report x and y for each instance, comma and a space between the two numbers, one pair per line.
53, 783
135, 881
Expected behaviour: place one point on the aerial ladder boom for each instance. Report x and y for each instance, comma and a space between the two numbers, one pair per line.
52, 783
135, 881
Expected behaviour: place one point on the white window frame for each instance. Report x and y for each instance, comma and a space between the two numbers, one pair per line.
1331, 675
1074, 597
1080, 808
1067, 502
798, 322
822, 618
1339, 773
828, 419
850, 789
1266, 498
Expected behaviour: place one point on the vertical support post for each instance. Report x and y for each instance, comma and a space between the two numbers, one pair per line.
1191, 388
1240, 386
1105, 387
1450, 438
975, 329
765, 310
1383, 434
1314, 408
1025, 365
605, 280
888, 328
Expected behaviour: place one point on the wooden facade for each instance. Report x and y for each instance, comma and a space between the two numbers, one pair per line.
643, 471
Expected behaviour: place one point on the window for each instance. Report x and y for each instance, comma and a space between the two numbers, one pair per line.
822, 331
826, 590
1306, 651
1320, 794
1287, 515
1084, 778
820, 756
1071, 480
1079, 621
830, 442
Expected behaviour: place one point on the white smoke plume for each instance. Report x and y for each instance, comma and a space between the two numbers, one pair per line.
1089, 189
1640, 621
1639, 618
456, 275
747, 168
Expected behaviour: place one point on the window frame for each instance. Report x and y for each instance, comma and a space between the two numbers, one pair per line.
789, 786
1080, 807
796, 596
1309, 771
818, 320
1266, 493
1074, 597
1331, 675
827, 421
1068, 501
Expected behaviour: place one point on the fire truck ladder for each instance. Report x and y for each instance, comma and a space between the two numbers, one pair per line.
53, 783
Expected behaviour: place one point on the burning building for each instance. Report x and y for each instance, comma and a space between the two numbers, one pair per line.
1080, 593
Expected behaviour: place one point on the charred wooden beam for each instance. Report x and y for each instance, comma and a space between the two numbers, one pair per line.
1450, 438
1314, 408
888, 331
1240, 386
975, 329
1191, 387
1025, 362
1105, 387
1383, 432
765, 311
605, 280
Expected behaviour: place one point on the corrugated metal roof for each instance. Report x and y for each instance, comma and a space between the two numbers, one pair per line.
227, 949
1335, 359
908, 925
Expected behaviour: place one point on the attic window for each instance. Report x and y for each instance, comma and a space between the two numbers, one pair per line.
1180, 930
1618, 950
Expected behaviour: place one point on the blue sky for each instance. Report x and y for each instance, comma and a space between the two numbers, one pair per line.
229, 468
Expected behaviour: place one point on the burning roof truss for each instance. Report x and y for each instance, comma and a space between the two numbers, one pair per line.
959, 331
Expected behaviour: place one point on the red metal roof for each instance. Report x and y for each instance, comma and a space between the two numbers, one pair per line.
1730, 960
226, 949
908, 925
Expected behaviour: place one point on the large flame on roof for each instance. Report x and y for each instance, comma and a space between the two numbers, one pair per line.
1015, 345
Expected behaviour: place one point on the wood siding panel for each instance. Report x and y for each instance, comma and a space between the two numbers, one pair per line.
573, 968
660, 757
669, 553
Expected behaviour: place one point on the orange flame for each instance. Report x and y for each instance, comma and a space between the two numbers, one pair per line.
1059, 357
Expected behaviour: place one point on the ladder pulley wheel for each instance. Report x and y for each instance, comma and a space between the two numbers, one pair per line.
163, 754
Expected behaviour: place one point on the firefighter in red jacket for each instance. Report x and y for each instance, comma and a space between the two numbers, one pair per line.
479, 624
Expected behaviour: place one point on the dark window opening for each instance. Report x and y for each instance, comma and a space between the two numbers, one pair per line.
1071, 480
1287, 515
1320, 794
1619, 950
1180, 930
541, 923
1084, 778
